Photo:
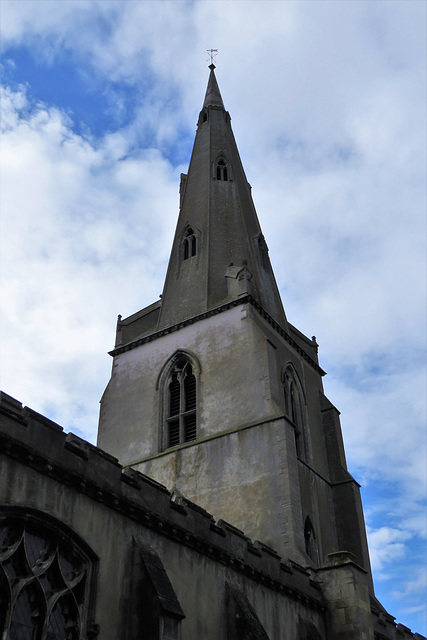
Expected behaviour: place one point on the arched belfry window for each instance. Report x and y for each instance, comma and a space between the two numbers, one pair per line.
45, 580
189, 244
181, 397
221, 170
295, 410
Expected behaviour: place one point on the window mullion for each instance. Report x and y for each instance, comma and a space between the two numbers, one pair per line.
181, 406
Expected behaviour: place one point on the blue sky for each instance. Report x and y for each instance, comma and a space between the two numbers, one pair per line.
99, 107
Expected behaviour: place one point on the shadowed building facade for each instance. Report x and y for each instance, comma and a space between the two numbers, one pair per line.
218, 503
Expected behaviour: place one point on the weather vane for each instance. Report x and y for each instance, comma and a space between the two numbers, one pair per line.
213, 54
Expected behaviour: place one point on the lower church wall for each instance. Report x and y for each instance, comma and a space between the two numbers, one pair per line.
157, 566
60, 483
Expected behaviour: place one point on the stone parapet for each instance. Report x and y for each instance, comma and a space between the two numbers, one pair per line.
42, 445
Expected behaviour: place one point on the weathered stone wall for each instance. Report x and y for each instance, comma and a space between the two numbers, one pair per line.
159, 558
118, 512
131, 408
249, 476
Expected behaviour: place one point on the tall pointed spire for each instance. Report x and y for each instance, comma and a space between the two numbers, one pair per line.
213, 95
219, 252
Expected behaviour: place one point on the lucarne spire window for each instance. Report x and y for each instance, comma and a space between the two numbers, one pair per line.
221, 170
181, 411
189, 244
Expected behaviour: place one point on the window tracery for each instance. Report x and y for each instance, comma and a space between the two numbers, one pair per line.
221, 170
189, 244
294, 407
44, 579
181, 421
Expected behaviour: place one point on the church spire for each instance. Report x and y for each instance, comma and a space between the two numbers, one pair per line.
213, 95
219, 252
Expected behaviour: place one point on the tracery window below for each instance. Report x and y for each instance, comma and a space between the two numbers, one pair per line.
44, 583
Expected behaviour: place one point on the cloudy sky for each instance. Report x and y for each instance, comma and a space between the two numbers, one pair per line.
99, 105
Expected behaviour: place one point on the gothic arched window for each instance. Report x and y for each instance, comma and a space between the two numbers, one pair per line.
189, 243
44, 578
181, 417
221, 170
294, 406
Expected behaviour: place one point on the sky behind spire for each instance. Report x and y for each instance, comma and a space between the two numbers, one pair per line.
99, 107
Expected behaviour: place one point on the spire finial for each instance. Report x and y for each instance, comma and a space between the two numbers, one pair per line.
213, 54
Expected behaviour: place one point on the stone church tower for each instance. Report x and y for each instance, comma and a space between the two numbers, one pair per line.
214, 394
218, 503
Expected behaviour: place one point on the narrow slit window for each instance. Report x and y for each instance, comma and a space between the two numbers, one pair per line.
310, 540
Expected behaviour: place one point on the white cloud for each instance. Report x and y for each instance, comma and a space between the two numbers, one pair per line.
81, 242
415, 586
386, 545
383, 420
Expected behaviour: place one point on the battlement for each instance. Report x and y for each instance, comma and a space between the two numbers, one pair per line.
41, 444
64, 462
